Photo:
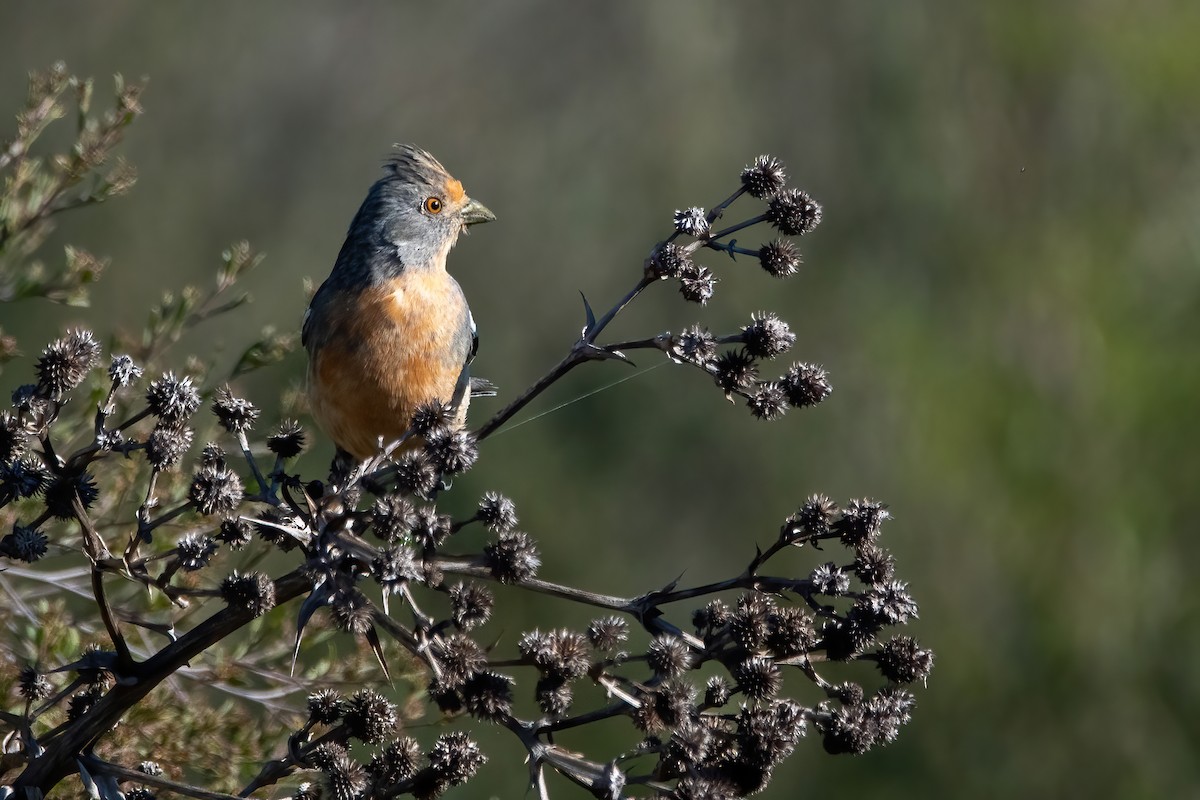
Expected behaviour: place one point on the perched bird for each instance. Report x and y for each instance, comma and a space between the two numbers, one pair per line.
389, 330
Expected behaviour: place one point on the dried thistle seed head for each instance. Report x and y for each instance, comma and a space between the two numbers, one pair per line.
213, 455
471, 605
167, 444
61, 491
892, 709
23, 477
416, 474
253, 592
487, 695
645, 717
24, 544
769, 734
675, 701
123, 370
769, 401
735, 371
847, 693
692, 222
497, 512
216, 490
326, 753
235, 414
395, 565
429, 416
432, 575
790, 631
687, 750
844, 639
393, 518
572, 655
33, 685
325, 707
172, 399
554, 696
562, 654
452, 450
751, 620
455, 758
345, 778
669, 655
398, 761
793, 212
806, 385
847, 730
711, 617
902, 660
874, 565
288, 439
369, 716
717, 691
861, 522
764, 177
829, 579
66, 362
81, 702
195, 550
813, 521
608, 633
697, 345
513, 557
534, 647
669, 261
460, 657
697, 284
888, 603
235, 532
759, 677
779, 258
431, 529
767, 336
352, 611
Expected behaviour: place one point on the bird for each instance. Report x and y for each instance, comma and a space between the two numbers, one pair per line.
390, 331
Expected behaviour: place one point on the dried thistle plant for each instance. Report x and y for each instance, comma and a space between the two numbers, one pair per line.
175, 566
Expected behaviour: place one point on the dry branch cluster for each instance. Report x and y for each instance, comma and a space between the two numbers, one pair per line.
181, 550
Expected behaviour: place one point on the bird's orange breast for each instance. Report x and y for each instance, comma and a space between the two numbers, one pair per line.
388, 349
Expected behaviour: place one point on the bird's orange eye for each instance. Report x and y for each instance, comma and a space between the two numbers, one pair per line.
433, 205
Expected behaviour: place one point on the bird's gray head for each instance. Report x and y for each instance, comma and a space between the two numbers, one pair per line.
411, 217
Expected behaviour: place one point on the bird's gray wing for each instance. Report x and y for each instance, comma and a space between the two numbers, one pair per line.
462, 389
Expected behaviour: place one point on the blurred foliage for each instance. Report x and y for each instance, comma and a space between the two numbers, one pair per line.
1005, 294
37, 188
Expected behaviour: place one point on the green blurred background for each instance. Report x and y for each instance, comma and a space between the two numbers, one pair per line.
1004, 291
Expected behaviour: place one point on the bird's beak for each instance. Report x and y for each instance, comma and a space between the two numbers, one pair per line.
476, 213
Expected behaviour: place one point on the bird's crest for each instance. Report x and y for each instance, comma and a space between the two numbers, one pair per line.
411, 163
